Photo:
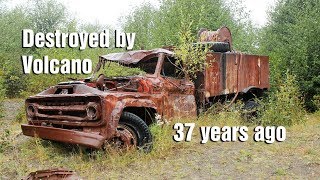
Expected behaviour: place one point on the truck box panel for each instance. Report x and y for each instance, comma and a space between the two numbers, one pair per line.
228, 73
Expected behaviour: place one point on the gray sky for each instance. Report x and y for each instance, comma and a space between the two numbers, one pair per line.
109, 11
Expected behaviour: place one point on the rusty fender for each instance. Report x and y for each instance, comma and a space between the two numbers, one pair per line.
118, 109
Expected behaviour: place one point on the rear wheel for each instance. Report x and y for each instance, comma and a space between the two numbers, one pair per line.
250, 110
133, 132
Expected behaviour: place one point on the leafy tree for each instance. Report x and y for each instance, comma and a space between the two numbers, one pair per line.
142, 21
292, 41
41, 16
47, 15
11, 24
160, 26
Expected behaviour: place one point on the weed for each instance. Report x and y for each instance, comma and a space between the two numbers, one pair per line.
244, 156
5, 140
21, 115
311, 151
192, 57
280, 172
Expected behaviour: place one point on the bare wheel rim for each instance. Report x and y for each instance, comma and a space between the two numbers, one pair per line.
126, 139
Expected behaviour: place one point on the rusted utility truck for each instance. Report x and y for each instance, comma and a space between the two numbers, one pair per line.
119, 110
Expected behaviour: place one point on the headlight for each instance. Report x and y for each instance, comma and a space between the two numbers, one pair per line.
92, 111
31, 110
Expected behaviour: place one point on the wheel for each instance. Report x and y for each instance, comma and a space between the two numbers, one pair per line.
215, 46
220, 47
133, 132
250, 110
250, 105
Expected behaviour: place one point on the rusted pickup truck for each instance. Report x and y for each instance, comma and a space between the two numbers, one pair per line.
119, 110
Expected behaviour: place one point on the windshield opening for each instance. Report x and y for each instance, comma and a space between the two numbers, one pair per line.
113, 69
171, 68
148, 66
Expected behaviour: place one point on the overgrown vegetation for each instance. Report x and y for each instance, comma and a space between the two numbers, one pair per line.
291, 40
21, 155
159, 27
193, 57
40, 16
46, 154
284, 107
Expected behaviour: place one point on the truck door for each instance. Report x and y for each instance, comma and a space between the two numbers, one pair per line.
179, 100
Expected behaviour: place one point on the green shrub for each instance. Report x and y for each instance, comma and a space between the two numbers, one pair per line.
285, 105
14, 82
38, 83
316, 101
291, 39
192, 57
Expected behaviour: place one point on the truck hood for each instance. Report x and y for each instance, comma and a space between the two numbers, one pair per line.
124, 85
132, 57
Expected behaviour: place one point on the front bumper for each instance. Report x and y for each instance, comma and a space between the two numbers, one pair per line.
63, 135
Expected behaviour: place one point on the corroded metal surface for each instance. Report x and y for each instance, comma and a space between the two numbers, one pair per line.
52, 174
64, 135
133, 57
124, 138
234, 72
221, 35
87, 112
65, 108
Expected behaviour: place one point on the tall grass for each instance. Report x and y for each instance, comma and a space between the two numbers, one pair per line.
21, 157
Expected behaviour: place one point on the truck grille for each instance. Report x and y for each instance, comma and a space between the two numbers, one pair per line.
64, 109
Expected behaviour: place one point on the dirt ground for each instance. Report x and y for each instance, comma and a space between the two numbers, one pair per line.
11, 108
298, 157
